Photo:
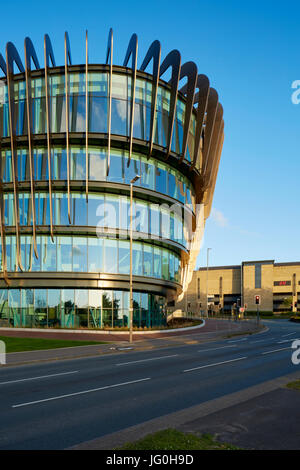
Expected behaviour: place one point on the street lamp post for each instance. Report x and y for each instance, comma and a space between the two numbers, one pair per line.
130, 274
207, 282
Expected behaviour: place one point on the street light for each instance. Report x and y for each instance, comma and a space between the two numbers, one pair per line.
130, 275
207, 283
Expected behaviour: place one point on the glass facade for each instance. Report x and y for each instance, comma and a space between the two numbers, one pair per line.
94, 255
156, 176
97, 108
75, 308
105, 212
94, 244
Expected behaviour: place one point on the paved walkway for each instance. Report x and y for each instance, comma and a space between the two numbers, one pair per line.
265, 416
212, 330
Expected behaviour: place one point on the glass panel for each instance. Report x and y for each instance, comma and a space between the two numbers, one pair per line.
124, 257
95, 254
48, 254
4, 310
148, 260
64, 254
165, 264
81, 306
137, 259
97, 165
80, 254
68, 319
110, 256
77, 164
117, 310
40, 307
79, 209
157, 262
54, 316
14, 302
94, 308
107, 308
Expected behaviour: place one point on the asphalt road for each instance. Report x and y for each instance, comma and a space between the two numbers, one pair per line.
60, 404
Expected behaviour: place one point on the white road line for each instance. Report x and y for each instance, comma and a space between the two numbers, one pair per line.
215, 349
146, 360
261, 340
237, 340
289, 334
275, 350
59, 397
215, 364
37, 378
287, 341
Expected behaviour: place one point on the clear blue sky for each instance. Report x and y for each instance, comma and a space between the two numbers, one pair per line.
250, 52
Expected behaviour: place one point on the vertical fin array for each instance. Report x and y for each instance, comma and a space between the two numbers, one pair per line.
48, 56
12, 57
68, 60
30, 54
86, 120
209, 122
2, 224
132, 51
173, 60
189, 70
109, 56
154, 52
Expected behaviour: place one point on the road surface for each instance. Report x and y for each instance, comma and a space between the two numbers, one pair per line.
60, 404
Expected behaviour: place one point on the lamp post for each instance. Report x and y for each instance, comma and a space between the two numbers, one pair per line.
207, 282
130, 275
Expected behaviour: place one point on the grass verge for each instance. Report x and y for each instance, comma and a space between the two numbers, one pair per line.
294, 385
171, 439
33, 344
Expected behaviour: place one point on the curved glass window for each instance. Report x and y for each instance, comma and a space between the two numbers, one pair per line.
104, 211
97, 108
85, 308
155, 175
81, 254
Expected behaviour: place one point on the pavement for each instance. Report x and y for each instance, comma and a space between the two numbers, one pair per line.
104, 401
211, 330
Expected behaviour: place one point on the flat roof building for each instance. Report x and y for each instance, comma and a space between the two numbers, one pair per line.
277, 284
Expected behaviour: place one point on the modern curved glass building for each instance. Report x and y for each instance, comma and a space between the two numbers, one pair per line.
73, 137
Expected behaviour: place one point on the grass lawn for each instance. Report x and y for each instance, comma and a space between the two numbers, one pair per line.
294, 385
32, 344
171, 439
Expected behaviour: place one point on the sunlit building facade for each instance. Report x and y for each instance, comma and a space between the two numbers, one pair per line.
72, 139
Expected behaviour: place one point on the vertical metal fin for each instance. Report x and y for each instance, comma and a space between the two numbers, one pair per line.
209, 126
202, 99
189, 70
68, 60
30, 54
154, 52
215, 170
211, 161
48, 55
86, 120
132, 51
12, 57
173, 60
109, 54
2, 224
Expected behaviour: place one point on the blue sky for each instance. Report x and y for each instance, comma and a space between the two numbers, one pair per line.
249, 50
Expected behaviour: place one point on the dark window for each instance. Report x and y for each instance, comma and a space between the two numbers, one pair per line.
258, 276
282, 283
